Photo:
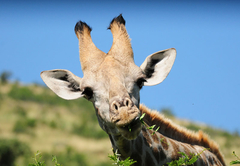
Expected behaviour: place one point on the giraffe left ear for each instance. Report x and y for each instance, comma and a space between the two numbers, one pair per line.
158, 65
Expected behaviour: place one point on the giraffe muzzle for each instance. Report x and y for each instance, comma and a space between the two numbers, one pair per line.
125, 115
123, 112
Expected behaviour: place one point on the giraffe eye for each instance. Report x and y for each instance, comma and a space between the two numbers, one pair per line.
88, 93
140, 82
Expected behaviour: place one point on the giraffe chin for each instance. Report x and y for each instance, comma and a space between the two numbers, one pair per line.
131, 131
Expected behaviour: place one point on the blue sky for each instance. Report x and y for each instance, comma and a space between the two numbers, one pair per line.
203, 85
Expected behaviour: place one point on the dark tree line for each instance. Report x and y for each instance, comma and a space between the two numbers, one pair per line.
5, 76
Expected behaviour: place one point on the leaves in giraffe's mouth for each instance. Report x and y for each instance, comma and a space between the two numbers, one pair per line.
141, 118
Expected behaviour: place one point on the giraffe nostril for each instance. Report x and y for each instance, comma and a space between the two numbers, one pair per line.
127, 102
116, 107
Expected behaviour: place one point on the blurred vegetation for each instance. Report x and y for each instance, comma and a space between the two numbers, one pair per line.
33, 118
89, 130
22, 125
11, 149
235, 161
26, 94
26, 111
5, 76
167, 112
67, 157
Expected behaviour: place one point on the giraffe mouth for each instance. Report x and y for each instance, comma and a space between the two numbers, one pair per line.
132, 129
127, 121
132, 125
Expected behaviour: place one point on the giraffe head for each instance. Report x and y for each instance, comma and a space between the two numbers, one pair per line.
111, 81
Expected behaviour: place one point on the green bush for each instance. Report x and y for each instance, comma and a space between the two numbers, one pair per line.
22, 125
117, 161
10, 150
53, 124
1, 98
31, 122
5, 76
25, 93
21, 93
89, 130
68, 157
235, 161
167, 112
193, 127
88, 126
20, 111
71, 157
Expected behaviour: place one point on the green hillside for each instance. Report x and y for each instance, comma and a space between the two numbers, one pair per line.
33, 119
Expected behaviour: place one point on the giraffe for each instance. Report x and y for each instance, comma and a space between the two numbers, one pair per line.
112, 82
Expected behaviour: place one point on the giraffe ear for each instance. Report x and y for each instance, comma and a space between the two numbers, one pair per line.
63, 82
158, 65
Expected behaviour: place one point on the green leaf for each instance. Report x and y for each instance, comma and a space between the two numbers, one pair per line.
185, 160
116, 159
141, 118
129, 128
193, 160
151, 127
235, 161
183, 154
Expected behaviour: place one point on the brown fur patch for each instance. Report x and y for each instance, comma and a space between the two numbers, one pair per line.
171, 130
164, 143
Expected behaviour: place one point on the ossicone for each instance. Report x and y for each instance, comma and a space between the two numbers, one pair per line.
80, 26
119, 19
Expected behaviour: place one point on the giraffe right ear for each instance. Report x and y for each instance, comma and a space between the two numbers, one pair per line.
63, 82
158, 65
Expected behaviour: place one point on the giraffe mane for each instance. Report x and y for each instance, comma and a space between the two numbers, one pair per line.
176, 132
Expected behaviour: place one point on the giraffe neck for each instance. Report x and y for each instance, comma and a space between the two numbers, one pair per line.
161, 147
150, 149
